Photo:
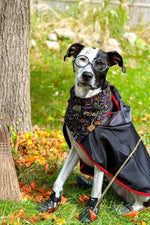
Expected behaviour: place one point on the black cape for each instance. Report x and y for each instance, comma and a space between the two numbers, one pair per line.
110, 143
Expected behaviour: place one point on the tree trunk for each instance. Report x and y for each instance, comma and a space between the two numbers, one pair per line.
15, 106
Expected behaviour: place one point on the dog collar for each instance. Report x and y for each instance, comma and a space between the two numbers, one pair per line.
83, 115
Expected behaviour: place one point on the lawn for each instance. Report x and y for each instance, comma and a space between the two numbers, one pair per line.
40, 155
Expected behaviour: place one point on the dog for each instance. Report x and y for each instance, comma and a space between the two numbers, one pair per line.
91, 66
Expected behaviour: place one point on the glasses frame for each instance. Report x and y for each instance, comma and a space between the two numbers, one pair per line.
88, 62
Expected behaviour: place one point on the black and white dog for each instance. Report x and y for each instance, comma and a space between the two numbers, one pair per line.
91, 111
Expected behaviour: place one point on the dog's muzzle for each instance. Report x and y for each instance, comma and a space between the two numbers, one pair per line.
86, 79
87, 76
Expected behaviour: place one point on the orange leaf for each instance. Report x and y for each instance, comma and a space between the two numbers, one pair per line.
34, 184
132, 214
38, 198
20, 213
26, 189
3, 223
85, 197
25, 196
21, 184
63, 200
45, 215
31, 159
42, 190
27, 164
16, 215
46, 168
81, 200
72, 182
77, 216
92, 215
32, 220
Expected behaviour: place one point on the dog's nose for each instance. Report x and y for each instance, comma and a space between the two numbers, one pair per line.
87, 76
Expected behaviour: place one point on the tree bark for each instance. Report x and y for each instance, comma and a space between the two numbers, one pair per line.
15, 106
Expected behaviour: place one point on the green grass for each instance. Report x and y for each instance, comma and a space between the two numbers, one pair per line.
51, 80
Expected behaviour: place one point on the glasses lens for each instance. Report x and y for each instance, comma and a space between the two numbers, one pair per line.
81, 61
99, 65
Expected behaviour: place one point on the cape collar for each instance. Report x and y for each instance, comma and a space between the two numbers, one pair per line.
84, 114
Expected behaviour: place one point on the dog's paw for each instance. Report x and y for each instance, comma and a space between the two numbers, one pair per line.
85, 216
120, 210
51, 203
83, 182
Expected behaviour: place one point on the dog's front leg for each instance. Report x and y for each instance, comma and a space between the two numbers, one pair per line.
68, 166
55, 196
95, 195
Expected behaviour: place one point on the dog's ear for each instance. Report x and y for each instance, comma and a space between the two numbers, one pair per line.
73, 50
115, 58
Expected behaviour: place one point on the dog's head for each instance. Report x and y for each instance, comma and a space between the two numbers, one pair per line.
91, 64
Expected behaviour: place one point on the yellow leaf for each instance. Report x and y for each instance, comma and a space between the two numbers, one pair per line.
51, 118
134, 118
143, 223
60, 136
29, 142
60, 221
41, 161
140, 132
54, 150
30, 159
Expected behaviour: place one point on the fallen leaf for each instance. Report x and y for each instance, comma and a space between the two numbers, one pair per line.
33, 219
3, 223
21, 184
46, 168
92, 215
34, 184
60, 221
45, 215
27, 164
72, 182
38, 198
16, 215
26, 189
20, 214
63, 200
132, 214
83, 199
42, 190
41, 160
77, 216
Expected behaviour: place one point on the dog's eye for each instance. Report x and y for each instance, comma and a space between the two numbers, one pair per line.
81, 61
99, 65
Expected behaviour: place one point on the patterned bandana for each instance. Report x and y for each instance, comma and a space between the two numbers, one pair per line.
84, 114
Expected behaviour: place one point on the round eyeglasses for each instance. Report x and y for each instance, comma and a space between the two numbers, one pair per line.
82, 61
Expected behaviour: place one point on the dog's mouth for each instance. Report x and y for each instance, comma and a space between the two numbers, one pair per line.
83, 83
